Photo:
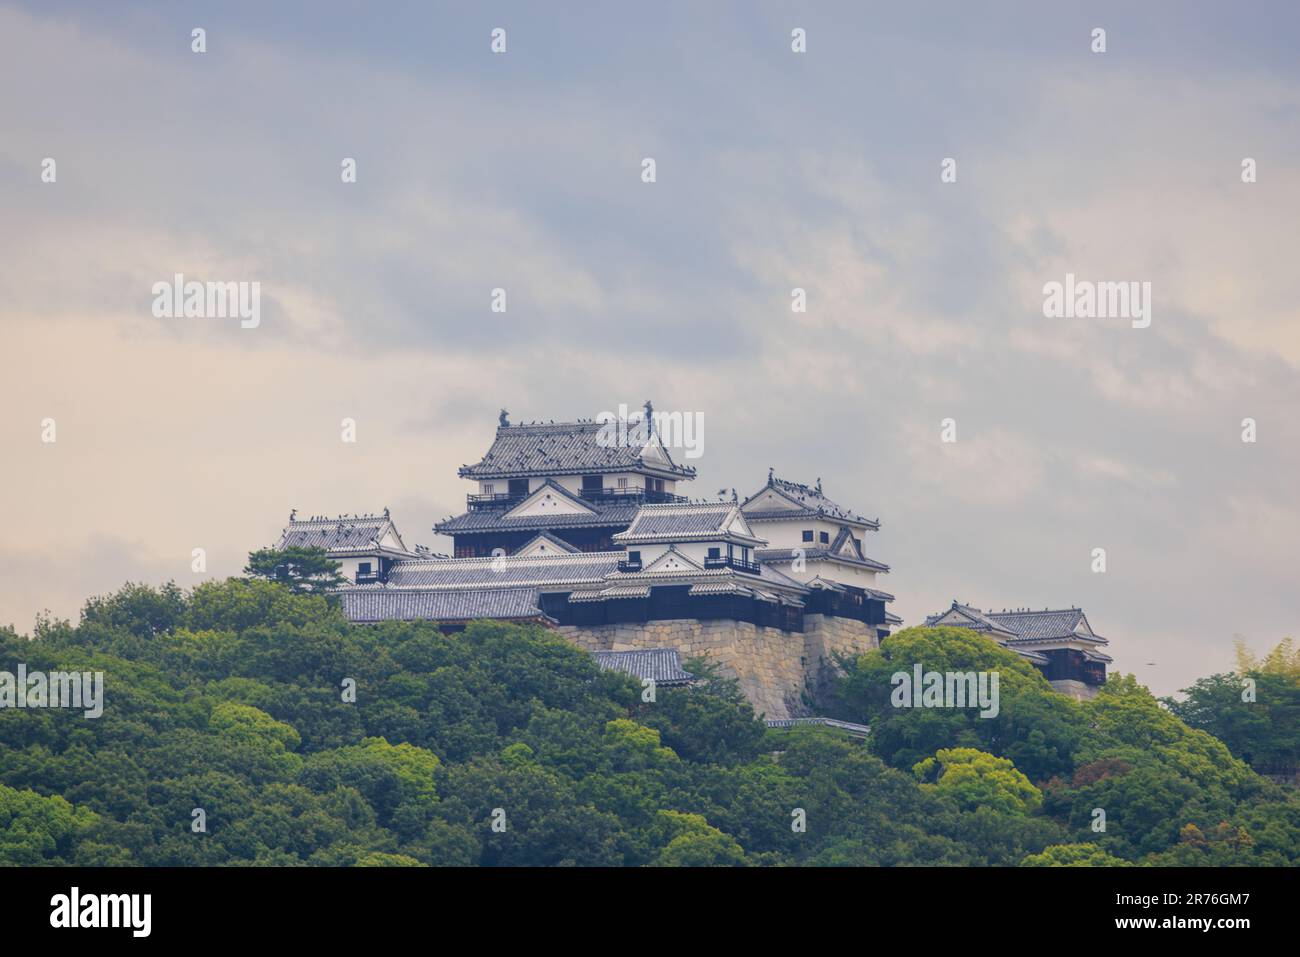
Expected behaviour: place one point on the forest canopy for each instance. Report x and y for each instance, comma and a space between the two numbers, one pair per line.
246, 722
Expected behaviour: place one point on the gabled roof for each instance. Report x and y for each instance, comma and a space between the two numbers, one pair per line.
555, 492
514, 604
782, 555
827, 584
357, 534
846, 546
492, 520
1023, 626
545, 541
776, 576
798, 501
695, 521
1048, 624
671, 560
502, 571
674, 568
658, 664
570, 448
964, 616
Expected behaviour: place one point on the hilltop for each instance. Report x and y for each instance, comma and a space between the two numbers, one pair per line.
233, 700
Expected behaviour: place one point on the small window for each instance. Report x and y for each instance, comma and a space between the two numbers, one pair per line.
622, 482
518, 487
634, 557
715, 553
591, 483
488, 488
363, 568
807, 535
825, 538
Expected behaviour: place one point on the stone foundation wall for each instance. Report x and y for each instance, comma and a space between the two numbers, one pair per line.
1075, 689
780, 672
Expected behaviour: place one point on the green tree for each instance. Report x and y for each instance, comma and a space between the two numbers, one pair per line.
1073, 855
693, 842
1035, 727
302, 570
1259, 723
975, 779
36, 829
226, 698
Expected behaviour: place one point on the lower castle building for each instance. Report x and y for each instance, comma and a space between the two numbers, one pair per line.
1060, 642
591, 538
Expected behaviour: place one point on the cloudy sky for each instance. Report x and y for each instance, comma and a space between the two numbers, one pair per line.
775, 170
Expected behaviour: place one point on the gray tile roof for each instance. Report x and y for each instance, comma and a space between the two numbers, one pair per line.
382, 604
832, 585
659, 664
727, 587
778, 577
560, 546
561, 448
1026, 626
344, 533
973, 619
491, 520
507, 570
811, 554
813, 501
1046, 624
682, 522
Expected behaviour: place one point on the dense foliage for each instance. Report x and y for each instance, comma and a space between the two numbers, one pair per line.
505, 745
1254, 710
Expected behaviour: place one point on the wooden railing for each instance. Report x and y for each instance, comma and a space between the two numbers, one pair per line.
730, 562
494, 500
633, 492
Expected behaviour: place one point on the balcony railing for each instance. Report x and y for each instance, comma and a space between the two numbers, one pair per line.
494, 500
633, 493
738, 564
629, 566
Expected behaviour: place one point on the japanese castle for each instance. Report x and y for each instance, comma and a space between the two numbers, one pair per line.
593, 539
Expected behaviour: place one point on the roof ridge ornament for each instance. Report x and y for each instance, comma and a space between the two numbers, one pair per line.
503, 419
